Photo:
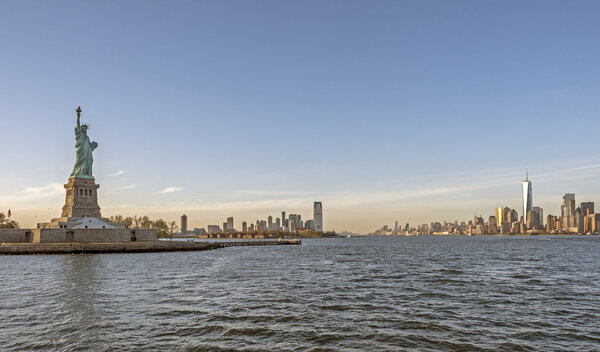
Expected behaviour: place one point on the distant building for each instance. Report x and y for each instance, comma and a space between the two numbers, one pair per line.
527, 199
492, 225
270, 225
533, 219
230, 224
284, 225
540, 215
244, 226
278, 224
568, 211
587, 208
213, 229
310, 224
502, 214
318, 216
183, 224
513, 216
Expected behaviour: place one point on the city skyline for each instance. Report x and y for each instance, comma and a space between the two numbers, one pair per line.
405, 111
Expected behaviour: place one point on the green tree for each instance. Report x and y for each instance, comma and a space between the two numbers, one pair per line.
6, 223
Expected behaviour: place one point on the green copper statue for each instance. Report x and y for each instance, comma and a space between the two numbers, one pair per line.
84, 149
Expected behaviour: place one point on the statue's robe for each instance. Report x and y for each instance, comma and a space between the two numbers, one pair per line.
84, 148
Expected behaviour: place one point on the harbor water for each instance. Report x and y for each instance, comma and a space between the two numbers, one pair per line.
426, 293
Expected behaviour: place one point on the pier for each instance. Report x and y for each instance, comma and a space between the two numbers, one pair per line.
132, 247
278, 242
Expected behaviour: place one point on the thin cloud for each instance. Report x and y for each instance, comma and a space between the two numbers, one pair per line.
170, 189
125, 187
118, 173
35, 193
50, 189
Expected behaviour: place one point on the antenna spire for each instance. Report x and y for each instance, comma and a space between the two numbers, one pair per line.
526, 174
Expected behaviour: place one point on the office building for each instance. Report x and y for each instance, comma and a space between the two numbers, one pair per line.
568, 211
587, 208
183, 224
318, 216
213, 229
230, 224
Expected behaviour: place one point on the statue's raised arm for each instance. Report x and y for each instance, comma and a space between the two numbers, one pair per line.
78, 116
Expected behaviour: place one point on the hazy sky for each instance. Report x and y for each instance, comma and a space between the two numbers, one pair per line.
383, 110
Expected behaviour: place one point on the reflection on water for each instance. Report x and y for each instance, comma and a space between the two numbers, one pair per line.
422, 293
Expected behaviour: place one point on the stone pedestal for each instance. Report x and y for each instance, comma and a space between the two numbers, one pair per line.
82, 199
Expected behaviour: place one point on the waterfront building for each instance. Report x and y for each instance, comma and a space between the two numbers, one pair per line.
310, 224
213, 229
492, 225
318, 216
505, 227
527, 198
225, 227
183, 224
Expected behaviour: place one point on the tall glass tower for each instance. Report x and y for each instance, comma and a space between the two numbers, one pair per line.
527, 198
318, 216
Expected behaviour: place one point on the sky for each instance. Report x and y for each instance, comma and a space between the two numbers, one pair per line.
414, 111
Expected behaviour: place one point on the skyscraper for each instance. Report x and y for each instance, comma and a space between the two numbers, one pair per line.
270, 223
540, 214
229, 224
318, 216
527, 199
568, 210
587, 208
183, 224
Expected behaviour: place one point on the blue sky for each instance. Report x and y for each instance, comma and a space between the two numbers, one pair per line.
384, 110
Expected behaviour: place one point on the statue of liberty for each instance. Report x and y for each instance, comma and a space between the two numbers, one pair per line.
84, 149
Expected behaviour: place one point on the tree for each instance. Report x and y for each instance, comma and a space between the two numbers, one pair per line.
6, 223
145, 222
117, 218
161, 227
172, 229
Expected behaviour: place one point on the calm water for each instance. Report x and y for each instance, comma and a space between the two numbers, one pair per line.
360, 294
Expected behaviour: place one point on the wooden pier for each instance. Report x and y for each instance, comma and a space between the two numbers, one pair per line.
278, 242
